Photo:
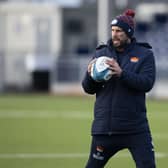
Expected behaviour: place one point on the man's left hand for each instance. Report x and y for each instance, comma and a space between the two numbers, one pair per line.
114, 66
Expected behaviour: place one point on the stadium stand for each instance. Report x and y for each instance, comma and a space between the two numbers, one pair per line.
155, 33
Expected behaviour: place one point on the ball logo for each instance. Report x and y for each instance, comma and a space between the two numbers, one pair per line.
101, 65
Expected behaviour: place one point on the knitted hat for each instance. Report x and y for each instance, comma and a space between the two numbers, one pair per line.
126, 22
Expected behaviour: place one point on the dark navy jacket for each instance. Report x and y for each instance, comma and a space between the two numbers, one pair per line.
120, 102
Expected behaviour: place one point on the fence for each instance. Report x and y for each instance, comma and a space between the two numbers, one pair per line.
68, 73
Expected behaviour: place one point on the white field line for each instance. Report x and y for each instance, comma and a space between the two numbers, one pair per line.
160, 136
63, 155
42, 155
45, 114
66, 115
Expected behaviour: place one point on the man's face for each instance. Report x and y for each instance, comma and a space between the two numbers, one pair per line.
119, 37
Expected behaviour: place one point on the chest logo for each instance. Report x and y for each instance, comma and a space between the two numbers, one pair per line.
134, 59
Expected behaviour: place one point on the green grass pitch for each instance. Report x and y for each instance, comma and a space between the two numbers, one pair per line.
46, 131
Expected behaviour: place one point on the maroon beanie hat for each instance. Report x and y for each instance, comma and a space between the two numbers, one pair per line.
126, 22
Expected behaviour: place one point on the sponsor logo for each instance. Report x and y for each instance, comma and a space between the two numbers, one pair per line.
99, 148
99, 153
134, 59
98, 157
114, 22
129, 30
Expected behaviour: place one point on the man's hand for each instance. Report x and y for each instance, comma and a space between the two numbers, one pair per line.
114, 66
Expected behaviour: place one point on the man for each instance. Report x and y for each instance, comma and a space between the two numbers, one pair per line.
120, 120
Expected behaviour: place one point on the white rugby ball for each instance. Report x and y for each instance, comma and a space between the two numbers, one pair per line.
100, 70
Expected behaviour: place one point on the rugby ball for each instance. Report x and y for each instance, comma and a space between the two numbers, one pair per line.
100, 70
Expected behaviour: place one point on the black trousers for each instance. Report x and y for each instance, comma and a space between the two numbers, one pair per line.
140, 145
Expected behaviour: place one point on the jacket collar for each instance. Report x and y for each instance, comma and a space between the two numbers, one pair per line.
128, 48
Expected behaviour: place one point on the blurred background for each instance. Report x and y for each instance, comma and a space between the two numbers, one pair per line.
46, 44
45, 47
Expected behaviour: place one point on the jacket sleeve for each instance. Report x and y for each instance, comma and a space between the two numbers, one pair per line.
145, 78
89, 85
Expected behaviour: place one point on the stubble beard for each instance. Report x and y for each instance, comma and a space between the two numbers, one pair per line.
121, 44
